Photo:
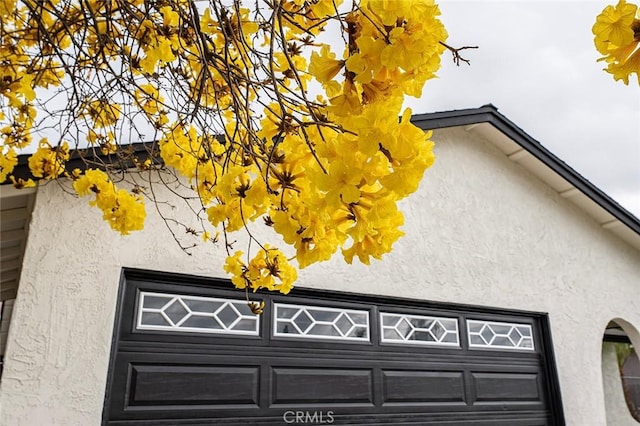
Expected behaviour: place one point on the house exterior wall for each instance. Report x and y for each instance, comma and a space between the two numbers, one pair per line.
481, 230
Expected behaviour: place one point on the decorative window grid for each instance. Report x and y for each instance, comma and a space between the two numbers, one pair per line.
503, 335
419, 330
320, 322
176, 312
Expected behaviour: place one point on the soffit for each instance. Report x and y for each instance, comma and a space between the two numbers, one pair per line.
15, 213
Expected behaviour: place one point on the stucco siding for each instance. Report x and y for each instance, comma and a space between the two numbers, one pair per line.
481, 230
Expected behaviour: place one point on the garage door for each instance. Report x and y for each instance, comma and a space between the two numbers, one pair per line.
187, 350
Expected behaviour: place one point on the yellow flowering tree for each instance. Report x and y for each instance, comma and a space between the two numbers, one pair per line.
617, 38
264, 120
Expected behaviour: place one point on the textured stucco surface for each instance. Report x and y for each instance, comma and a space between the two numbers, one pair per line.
480, 230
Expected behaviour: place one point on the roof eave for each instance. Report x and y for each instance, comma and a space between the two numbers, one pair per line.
489, 114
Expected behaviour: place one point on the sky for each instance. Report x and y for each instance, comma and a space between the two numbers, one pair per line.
536, 63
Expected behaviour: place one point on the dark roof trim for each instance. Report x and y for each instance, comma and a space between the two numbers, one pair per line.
489, 114
91, 158
430, 121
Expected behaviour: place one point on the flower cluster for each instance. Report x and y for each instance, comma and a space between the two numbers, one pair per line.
617, 37
48, 162
124, 212
225, 94
269, 269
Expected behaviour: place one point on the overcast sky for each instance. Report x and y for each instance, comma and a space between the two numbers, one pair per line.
537, 64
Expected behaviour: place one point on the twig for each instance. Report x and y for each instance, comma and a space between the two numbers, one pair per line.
457, 58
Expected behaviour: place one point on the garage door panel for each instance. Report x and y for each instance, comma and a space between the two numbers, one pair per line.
299, 350
420, 376
423, 387
295, 386
193, 385
507, 387
147, 386
492, 419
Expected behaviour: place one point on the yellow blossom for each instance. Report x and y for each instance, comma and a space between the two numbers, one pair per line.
324, 66
123, 211
271, 270
8, 161
103, 113
48, 162
366, 63
613, 25
617, 37
21, 183
169, 16
236, 268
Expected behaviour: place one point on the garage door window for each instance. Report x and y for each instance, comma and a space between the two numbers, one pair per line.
500, 335
183, 313
320, 322
419, 329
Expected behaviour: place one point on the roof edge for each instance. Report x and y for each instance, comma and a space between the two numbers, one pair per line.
489, 114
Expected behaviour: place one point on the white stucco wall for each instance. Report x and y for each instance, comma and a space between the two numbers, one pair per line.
481, 230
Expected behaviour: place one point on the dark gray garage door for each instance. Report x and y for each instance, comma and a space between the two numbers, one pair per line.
187, 350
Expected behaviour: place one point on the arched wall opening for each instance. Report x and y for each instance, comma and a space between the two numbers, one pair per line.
621, 373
